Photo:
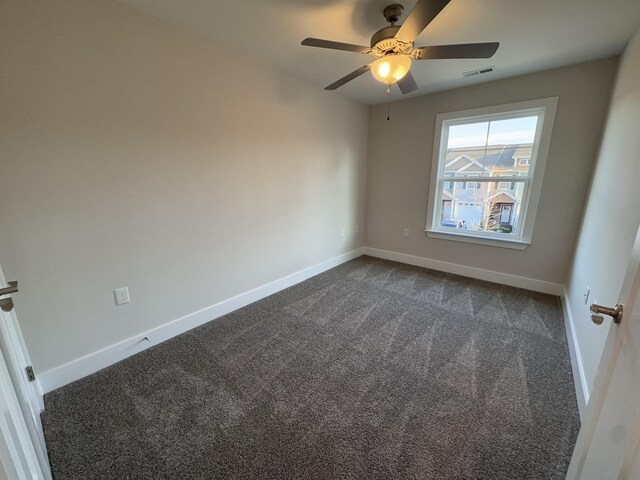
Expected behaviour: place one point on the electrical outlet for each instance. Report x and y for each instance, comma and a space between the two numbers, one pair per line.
405, 232
342, 233
356, 228
586, 295
121, 295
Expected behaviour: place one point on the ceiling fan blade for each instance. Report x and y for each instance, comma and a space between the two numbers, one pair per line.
463, 50
421, 16
347, 47
407, 83
348, 78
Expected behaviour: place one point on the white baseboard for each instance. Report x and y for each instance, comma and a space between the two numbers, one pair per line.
81, 367
473, 272
579, 377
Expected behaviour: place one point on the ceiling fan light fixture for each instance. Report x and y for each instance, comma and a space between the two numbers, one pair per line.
393, 47
391, 68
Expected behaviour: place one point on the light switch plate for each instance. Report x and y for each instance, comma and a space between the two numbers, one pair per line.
121, 296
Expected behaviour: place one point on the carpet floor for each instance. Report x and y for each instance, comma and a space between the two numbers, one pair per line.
372, 370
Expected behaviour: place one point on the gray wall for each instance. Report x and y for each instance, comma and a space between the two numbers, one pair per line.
129, 158
612, 216
399, 169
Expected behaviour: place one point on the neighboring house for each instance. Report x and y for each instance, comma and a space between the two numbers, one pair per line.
489, 206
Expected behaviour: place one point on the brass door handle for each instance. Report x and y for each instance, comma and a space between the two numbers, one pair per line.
598, 310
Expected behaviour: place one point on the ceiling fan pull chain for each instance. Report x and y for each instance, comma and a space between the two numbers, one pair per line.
388, 101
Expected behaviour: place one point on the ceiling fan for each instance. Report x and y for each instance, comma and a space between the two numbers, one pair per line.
393, 49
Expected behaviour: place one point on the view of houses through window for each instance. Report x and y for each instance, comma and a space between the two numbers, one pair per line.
484, 174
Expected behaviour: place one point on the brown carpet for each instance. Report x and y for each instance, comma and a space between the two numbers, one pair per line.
372, 370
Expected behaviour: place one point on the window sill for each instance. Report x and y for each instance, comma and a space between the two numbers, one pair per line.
492, 242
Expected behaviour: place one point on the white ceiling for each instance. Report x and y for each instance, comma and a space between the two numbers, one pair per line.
533, 34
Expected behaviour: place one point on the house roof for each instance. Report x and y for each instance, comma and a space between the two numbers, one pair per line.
502, 197
491, 156
462, 161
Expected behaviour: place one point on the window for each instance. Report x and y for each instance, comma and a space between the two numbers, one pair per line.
448, 185
446, 210
498, 207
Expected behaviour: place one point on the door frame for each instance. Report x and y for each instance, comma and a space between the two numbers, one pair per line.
28, 393
18, 457
503, 207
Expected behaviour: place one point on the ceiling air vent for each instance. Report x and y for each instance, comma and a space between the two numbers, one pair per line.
479, 71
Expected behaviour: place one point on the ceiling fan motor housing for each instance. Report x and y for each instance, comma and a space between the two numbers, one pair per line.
384, 42
386, 33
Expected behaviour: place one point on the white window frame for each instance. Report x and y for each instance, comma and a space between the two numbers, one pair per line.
545, 108
476, 185
508, 187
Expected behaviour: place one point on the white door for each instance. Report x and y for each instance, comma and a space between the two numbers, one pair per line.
22, 448
608, 446
505, 214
